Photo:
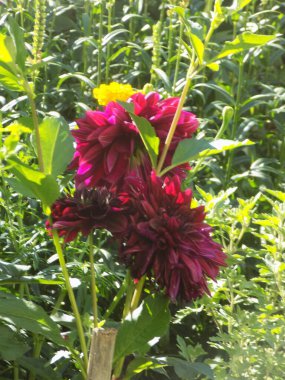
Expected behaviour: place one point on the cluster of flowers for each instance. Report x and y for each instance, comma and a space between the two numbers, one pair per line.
151, 218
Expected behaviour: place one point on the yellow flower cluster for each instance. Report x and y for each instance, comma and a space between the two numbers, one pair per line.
114, 91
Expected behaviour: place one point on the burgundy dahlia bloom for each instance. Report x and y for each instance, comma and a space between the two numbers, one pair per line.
170, 240
86, 210
108, 142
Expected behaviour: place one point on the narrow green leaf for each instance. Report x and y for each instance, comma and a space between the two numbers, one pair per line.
214, 66
11, 347
277, 194
147, 132
198, 47
150, 320
57, 145
129, 107
29, 316
108, 37
17, 35
244, 42
44, 187
79, 76
165, 79
149, 137
191, 149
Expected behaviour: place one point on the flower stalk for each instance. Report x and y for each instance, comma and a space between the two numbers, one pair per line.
71, 296
93, 280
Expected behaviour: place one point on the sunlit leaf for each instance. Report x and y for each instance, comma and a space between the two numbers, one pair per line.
244, 42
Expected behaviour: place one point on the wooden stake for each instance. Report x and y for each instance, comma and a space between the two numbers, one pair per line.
101, 354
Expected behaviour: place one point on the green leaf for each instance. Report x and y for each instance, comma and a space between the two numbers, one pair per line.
150, 320
44, 187
57, 145
214, 66
29, 316
149, 137
191, 149
244, 42
79, 76
11, 347
198, 47
147, 132
277, 194
141, 364
188, 371
129, 107
17, 35
9, 80
165, 79
7, 49
40, 367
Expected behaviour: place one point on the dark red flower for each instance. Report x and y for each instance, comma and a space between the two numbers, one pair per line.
168, 239
108, 142
86, 210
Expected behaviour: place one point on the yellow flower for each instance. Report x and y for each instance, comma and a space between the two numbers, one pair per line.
106, 93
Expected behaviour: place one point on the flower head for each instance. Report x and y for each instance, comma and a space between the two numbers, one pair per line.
86, 210
109, 145
168, 239
114, 91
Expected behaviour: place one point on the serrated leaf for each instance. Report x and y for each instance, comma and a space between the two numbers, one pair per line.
244, 42
57, 145
188, 371
148, 321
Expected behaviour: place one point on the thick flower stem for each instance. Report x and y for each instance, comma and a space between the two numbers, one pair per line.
190, 74
93, 280
137, 294
130, 306
71, 297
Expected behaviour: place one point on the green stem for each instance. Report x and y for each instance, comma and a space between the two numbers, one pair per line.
178, 58
30, 95
129, 295
16, 371
117, 298
235, 119
130, 306
190, 74
100, 48
71, 296
137, 293
93, 280
109, 29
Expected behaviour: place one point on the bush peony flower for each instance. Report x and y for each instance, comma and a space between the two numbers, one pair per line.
88, 209
108, 142
106, 93
169, 239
